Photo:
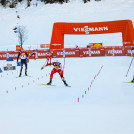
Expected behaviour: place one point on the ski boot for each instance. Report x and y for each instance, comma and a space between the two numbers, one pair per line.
65, 83
49, 83
20, 75
132, 81
26, 74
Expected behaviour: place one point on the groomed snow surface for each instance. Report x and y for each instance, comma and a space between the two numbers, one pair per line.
27, 107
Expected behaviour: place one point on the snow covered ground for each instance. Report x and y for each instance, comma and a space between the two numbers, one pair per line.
39, 21
107, 108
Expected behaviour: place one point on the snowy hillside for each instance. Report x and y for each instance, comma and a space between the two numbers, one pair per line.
39, 21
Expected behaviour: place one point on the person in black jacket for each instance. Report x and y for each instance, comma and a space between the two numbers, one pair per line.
24, 59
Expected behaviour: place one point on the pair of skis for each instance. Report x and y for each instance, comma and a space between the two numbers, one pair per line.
23, 76
52, 85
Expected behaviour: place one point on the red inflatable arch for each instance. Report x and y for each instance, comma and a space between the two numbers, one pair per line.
124, 26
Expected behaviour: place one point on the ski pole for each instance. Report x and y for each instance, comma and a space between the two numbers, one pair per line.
129, 66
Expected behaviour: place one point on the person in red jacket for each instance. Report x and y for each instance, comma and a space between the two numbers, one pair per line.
57, 69
49, 56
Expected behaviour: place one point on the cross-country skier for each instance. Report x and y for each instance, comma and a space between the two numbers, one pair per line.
35, 54
49, 56
57, 69
24, 59
132, 49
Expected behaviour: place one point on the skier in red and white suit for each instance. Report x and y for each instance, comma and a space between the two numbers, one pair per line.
49, 56
57, 69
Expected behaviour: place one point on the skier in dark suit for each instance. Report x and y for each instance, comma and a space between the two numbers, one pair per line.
24, 59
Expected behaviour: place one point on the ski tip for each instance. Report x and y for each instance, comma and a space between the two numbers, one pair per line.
68, 86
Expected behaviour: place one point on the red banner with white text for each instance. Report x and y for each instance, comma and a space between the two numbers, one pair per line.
74, 52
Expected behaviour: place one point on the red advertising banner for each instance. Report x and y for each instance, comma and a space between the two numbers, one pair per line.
74, 52
114, 51
13, 54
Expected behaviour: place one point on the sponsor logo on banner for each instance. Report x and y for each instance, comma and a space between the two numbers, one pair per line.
91, 52
70, 53
114, 51
7, 55
67, 53
12, 55
87, 29
3, 55
130, 51
41, 54
59, 53
56, 44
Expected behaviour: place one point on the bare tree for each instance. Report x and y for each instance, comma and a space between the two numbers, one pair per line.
21, 34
